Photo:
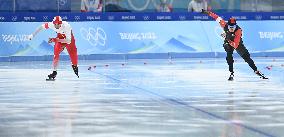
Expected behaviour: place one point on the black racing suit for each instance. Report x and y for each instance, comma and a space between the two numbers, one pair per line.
241, 50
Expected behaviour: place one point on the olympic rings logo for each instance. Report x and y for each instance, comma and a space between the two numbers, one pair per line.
110, 17
145, 5
182, 17
77, 18
258, 17
14, 18
62, 2
95, 36
146, 17
45, 18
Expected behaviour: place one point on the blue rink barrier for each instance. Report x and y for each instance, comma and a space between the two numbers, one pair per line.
120, 36
136, 56
129, 16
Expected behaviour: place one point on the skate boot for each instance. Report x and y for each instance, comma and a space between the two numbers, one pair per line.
52, 75
75, 69
260, 74
231, 77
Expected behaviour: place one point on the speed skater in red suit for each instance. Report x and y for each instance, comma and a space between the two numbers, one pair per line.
64, 39
233, 41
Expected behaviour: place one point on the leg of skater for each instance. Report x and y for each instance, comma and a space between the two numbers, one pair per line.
58, 48
243, 52
252, 65
230, 60
72, 51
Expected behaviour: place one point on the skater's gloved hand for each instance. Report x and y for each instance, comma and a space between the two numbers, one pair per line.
227, 39
30, 37
203, 11
223, 35
50, 40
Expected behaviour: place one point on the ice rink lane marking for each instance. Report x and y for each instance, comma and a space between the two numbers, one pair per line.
176, 101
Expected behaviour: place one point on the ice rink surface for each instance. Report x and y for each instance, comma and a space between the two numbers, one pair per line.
142, 98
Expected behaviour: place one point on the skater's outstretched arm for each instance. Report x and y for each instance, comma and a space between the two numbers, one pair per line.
39, 29
216, 17
222, 22
50, 25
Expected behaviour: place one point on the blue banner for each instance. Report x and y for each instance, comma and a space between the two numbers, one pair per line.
121, 16
109, 37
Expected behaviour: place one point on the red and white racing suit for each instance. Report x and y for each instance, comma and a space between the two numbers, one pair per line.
64, 32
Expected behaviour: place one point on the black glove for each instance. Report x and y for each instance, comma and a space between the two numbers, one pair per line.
205, 12
228, 37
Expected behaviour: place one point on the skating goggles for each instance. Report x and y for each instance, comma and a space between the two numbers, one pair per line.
232, 27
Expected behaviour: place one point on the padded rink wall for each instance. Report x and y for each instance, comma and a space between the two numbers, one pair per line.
160, 38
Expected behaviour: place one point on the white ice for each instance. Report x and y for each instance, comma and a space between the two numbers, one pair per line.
142, 98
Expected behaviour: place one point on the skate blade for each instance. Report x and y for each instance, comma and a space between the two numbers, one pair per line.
230, 79
50, 79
